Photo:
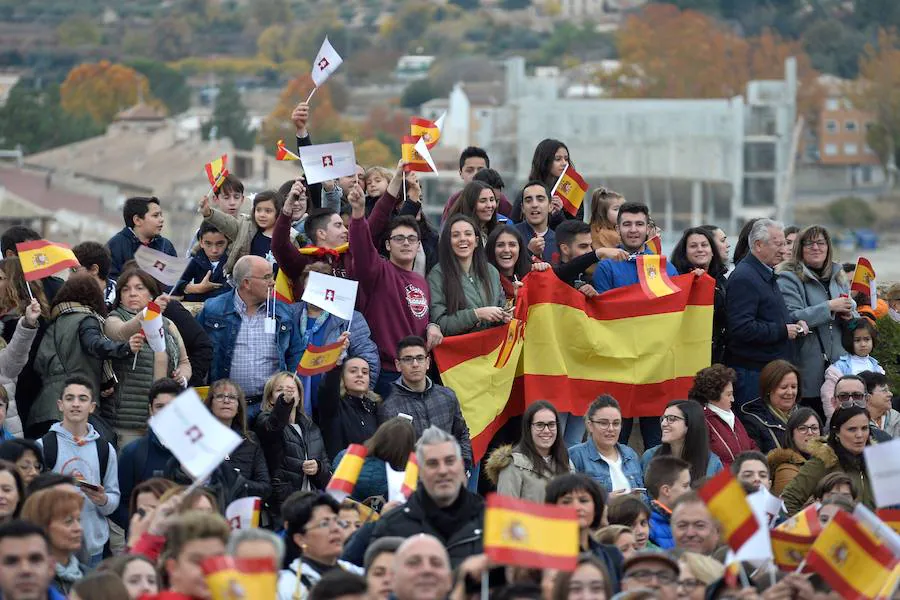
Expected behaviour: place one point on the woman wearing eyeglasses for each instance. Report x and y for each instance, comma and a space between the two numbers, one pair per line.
765, 417
884, 417
523, 470
803, 427
816, 290
684, 434
616, 467
225, 400
465, 289
848, 437
314, 538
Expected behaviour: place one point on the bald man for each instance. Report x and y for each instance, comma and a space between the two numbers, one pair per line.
422, 569
250, 343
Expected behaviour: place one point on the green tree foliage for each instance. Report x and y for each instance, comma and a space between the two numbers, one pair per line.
171, 38
34, 120
78, 30
834, 47
417, 93
851, 212
166, 84
271, 12
230, 117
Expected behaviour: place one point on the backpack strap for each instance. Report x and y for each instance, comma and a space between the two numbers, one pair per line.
51, 449
102, 456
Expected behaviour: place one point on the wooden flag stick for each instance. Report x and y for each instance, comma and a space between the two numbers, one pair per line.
311, 94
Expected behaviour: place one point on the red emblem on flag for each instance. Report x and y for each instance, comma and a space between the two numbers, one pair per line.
323, 64
327, 161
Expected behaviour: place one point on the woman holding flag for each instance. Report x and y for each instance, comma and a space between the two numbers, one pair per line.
551, 157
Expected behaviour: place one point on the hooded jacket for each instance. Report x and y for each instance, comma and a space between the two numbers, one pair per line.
762, 425
661, 526
784, 464
79, 459
824, 460
514, 475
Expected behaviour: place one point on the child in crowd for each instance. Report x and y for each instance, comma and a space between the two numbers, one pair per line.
376, 184
667, 478
604, 213
144, 222
205, 276
629, 510
228, 198
858, 339
247, 236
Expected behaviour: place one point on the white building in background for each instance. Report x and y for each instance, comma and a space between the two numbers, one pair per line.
692, 161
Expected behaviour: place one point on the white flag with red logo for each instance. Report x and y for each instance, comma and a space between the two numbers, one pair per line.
327, 161
334, 295
243, 513
327, 61
153, 327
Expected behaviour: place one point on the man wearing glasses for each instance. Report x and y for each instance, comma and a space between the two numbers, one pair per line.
850, 390
651, 571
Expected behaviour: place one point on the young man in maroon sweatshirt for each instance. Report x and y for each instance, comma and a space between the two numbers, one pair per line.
398, 297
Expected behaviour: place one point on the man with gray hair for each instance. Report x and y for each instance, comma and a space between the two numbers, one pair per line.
252, 338
256, 543
441, 506
759, 325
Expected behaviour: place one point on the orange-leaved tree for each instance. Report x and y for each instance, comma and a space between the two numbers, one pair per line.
101, 90
325, 124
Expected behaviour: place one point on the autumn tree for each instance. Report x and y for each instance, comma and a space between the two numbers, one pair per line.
101, 90
172, 38
272, 43
324, 119
33, 119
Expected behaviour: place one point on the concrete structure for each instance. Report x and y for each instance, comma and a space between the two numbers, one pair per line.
693, 161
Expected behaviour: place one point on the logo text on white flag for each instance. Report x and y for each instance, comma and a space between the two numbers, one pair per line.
327, 61
164, 268
334, 295
328, 161
190, 432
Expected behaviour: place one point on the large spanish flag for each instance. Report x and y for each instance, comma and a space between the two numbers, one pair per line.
727, 503
41, 258
229, 578
528, 534
642, 351
850, 559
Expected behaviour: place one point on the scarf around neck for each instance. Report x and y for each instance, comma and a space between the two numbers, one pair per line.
70, 308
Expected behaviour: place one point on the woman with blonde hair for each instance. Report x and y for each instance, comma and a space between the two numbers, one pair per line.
604, 212
697, 572
293, 444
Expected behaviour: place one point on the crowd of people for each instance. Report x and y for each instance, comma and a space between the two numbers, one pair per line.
93, 505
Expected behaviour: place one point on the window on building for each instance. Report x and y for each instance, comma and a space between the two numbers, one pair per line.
759, 156
833, 104
831, 150
850, 126
851, 149
759, 191
831, 126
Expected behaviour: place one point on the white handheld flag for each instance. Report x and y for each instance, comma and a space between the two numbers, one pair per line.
758, 548
327, 61
190, 432
327, 161
164, 268
243, 513
422, 148
153, 327
334, 295
883, 466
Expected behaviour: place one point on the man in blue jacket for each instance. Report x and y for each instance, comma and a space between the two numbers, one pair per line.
759, 324
143, 225
245, 348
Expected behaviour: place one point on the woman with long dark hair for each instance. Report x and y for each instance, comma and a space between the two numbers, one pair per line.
507, 251
548, 162
479, 203
465, 289
803, 427
388, 448
848, 437
684, 434
523, 470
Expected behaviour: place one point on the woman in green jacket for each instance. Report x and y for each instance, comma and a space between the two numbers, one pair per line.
465, 289
842, 451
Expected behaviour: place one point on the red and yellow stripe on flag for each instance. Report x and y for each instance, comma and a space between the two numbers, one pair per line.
40, 258
514, 332
282, 153
862, 276
789, 549
414, 161
727, 502
655, 281
805, 523
571, 189
410, 476
891, 517
423, 128
323, 252
527, 534
217, 171
319, 359
344, 479
850, 559
644, 352
654, 245
284, 290
228, 578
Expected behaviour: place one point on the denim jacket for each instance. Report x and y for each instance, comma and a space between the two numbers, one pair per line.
222, 322
587, 460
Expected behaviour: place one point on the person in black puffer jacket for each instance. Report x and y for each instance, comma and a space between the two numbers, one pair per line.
226, 402
293, 445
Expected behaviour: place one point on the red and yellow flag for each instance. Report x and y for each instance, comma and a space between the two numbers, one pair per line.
570, 188
891, 517
321, 252
41, 258
347, 472
644, 352
424, 128
850, 559
217, 171
727, 502
414, 161
655, 281
319, 359
284, 291
228, 578
804, 523
862, 275
789, 549
410, 476
527, 534
514, 332
282, 153
654, 245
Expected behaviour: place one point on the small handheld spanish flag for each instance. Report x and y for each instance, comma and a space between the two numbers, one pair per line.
426, 129
571, 189
514, 332
804, 523
282, 153
727, 503
527, 534
409, 153
789, 549
284, 291
344, 479
229, 578
864, 280
217, 171
655, 281
654, 245
321, 252
410, 476
40, 258
319, 359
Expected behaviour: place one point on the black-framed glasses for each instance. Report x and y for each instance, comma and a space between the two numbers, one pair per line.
607, 424
851, 399
646, 576
225, 398
816, 243
670, 419
408, 360
399, 239
808, 429
541, 426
